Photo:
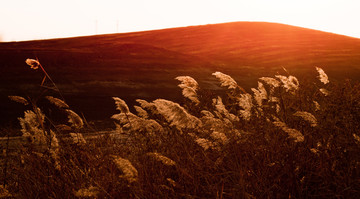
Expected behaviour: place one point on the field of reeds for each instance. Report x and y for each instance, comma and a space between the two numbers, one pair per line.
287, 138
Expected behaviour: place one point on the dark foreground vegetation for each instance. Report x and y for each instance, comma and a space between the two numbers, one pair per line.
287, 138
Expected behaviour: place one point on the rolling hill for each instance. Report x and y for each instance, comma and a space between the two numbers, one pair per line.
90, 70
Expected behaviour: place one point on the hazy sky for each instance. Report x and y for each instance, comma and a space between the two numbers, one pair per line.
40, 19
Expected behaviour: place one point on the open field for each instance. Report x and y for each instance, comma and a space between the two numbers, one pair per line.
262, 132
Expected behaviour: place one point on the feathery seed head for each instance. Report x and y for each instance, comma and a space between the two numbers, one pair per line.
148, 106
74, 119
357, 138
161, 158
277, 108
221, 109
204, 143
292, 133
19, 99
176, 115
57, 102
260, 94
314, 151
220, 137
121, 105
91, 192
135, 123
34, 64
290, 83
77, 138
307, 117
270, 81
141, 112
322, 75
316, 105
31, 120
187, 81
189, 87
191, 94
129, 171
324, 91
207, 113
245, 102
31, 126
226, 80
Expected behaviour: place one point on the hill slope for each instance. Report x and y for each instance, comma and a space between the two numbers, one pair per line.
89, 70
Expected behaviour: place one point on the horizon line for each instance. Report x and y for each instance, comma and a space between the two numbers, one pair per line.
166, 28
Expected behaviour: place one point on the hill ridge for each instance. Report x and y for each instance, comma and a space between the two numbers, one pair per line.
92, 69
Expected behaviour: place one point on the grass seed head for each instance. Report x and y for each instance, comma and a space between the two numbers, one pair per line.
290, 83
204, 143
129, 171
260, 94
91, 192
324, 91
34, 64
226, 80
245, 102
121, 105
161, 158
74, 119
292, 133
77, 138
57, 102
19, 99
141, 112
307, 117
322, 75
189, 87
176, 115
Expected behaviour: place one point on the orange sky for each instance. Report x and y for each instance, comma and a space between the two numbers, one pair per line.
41, 19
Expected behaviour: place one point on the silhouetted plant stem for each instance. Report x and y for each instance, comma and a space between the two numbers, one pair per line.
6, 160
48, 76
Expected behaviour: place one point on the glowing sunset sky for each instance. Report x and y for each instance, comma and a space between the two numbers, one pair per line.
41, 19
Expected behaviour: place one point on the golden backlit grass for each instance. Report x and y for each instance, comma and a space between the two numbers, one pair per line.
284, 139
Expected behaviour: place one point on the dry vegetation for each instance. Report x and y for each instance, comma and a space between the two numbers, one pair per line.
284, 139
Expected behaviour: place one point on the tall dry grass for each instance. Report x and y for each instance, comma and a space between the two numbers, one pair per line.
284, 139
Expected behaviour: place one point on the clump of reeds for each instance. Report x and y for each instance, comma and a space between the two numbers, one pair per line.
285, 138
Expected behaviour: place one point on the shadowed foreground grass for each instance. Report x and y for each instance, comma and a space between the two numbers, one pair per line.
285, 139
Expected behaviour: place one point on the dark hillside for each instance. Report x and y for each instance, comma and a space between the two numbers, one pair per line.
89, 70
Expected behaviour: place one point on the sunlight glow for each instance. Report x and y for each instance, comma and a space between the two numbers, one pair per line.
40, 19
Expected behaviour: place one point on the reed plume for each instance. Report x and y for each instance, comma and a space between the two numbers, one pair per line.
307, 117
189, 87
121, 105
77, 138
124, 165
222, 112
90, 192
19, 99
292, 133
322, 75
260, 94
290, 83
161, 158
57, 102
226, 80
34, 64
176, 115
245, 102
74, 119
